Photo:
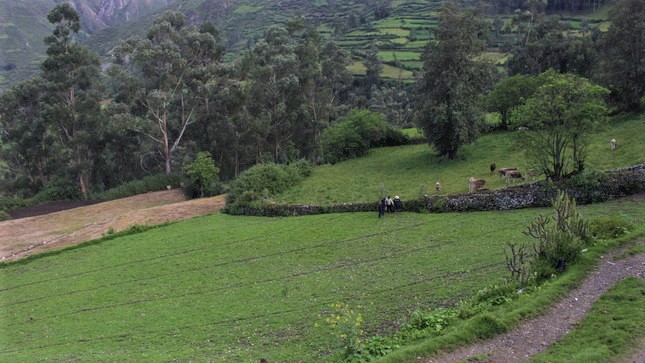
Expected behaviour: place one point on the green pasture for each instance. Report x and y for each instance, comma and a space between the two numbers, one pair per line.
237, 289
411, 171
389, 56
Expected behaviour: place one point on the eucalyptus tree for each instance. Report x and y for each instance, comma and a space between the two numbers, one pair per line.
170, 69
71, 94
452, 80
623, 54
27, 144
275, 93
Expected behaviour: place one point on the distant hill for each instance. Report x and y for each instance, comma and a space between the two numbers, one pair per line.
399, 28
24, 25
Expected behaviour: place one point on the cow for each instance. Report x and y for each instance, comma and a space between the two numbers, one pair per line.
492, 168
511, 175
502, 171
475, 184
613, 144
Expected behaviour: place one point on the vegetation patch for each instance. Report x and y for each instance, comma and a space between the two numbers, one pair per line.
612, 327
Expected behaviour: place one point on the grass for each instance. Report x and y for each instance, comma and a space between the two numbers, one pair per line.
227, 288
238, 288
508, 315
411, 171
614, 324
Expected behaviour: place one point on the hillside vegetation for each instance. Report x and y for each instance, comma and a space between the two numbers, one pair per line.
411, 171
239, 289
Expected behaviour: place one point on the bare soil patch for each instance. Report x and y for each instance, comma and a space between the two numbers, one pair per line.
22, 237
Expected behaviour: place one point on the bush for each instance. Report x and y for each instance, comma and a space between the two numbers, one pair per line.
150, 183
561, 243
4, 216
605, 227
353, 135
58, 188
264, 181
202, 177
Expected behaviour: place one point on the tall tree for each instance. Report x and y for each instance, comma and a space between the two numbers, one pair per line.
27, 146
559, 117
373, 69
275, 95
171, 67
453, 79
623, 56
509, 94
71, 94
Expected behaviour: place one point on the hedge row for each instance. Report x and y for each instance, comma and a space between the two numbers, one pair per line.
588, 188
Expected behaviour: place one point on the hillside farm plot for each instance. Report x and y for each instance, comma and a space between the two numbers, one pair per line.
236, 289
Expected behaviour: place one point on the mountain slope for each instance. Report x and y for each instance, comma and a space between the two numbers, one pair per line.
24, 25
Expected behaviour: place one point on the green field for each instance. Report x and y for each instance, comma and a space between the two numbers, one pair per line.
235, 289
411, 171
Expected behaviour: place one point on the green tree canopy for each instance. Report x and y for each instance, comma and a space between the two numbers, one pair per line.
453, 80
623, 57
559, 116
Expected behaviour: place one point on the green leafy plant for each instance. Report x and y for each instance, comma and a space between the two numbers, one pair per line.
202, 177
605, 227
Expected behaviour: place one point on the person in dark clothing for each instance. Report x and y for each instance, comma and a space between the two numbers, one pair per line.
381, 208
397, 203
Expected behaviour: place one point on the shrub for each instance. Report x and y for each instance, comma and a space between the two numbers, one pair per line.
202, 177
605, 227
150, 183
264, 181
558, 244
4, 216
353, 135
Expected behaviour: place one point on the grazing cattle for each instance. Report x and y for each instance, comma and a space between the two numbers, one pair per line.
613, 144
437, 187
492, 168
502, 171
475, 184
511, 175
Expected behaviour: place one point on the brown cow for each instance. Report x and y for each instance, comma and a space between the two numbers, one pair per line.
475, 184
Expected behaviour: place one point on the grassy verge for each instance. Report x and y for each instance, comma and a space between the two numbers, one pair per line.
614, 325
509, 315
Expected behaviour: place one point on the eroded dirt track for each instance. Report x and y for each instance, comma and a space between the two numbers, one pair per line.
22, 237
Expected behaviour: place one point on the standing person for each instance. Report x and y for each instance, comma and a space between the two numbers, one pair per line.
381, 208
389, 204
397, 203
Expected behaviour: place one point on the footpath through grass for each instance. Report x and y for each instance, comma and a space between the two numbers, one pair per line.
609, 329
411, 171
236, 289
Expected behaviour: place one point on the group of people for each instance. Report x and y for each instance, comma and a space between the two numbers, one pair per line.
389, 205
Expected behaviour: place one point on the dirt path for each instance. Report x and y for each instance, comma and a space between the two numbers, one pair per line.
536, 335
22, 237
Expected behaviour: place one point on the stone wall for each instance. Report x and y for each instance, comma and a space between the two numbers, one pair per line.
588, 188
